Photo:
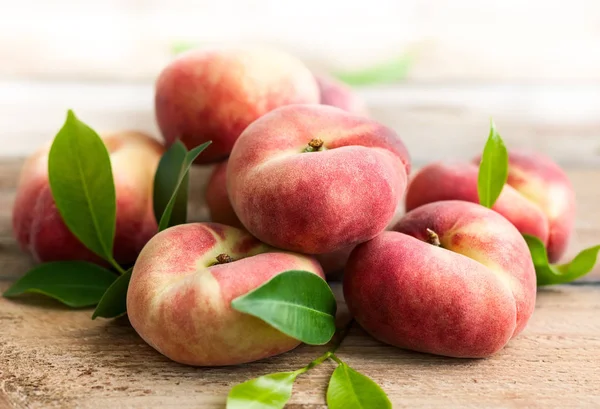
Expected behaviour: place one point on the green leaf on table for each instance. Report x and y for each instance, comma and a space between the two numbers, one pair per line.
182, 177
493, 169
390, 71
298, 303
165, 181
113, 303
265, 392
550, 274
349, 389
74, 283
82, 185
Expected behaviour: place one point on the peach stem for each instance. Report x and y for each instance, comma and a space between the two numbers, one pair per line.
433, 238
224, 258
315, 145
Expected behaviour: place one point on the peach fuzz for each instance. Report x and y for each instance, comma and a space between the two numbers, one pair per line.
343, 192
333, 93
466, 298
538, 197
221, 211
179, 297
214, 94
338, 94
39, 228
217, 200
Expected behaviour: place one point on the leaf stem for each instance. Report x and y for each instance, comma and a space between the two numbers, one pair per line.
116, 265
314, 363
336, 359
339, 338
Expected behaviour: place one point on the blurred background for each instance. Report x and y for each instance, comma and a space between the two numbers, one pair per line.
436, 71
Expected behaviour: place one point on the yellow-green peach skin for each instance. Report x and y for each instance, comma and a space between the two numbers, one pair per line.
538, 197
182, 285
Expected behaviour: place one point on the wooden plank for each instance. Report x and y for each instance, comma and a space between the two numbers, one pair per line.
445, 121
55, 357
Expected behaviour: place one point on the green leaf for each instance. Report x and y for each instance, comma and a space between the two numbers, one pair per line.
165, 182
550, 274
82, 185
298, 303
113, 303
182, 46
390, 71
190, 157
73, 283
349, 389
266, 392
493, 169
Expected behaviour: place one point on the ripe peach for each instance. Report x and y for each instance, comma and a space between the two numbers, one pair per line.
217, 200
454, 278
538, 198
39, 228
337, 94
214, 94
333, 93
316, 179
180, 293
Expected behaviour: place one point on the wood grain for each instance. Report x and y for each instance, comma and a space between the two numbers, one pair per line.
53, 357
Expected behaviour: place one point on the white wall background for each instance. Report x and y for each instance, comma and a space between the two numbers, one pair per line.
464, 40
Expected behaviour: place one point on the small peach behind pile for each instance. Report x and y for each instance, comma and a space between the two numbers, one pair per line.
182, 285
316, 179
217, 200
214, 94
338, 94
538, 197
454, 279
39, 228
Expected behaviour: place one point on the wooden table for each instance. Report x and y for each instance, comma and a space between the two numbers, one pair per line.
51, 356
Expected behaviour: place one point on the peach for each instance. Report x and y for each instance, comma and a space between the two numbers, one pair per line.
316, 179
213, 94
338, 94
182, 285
217, 200
333, 93
538, 198
221, 211
454, 278
39, 228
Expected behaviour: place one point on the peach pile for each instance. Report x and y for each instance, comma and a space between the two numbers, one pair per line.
39, 228
304, 177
